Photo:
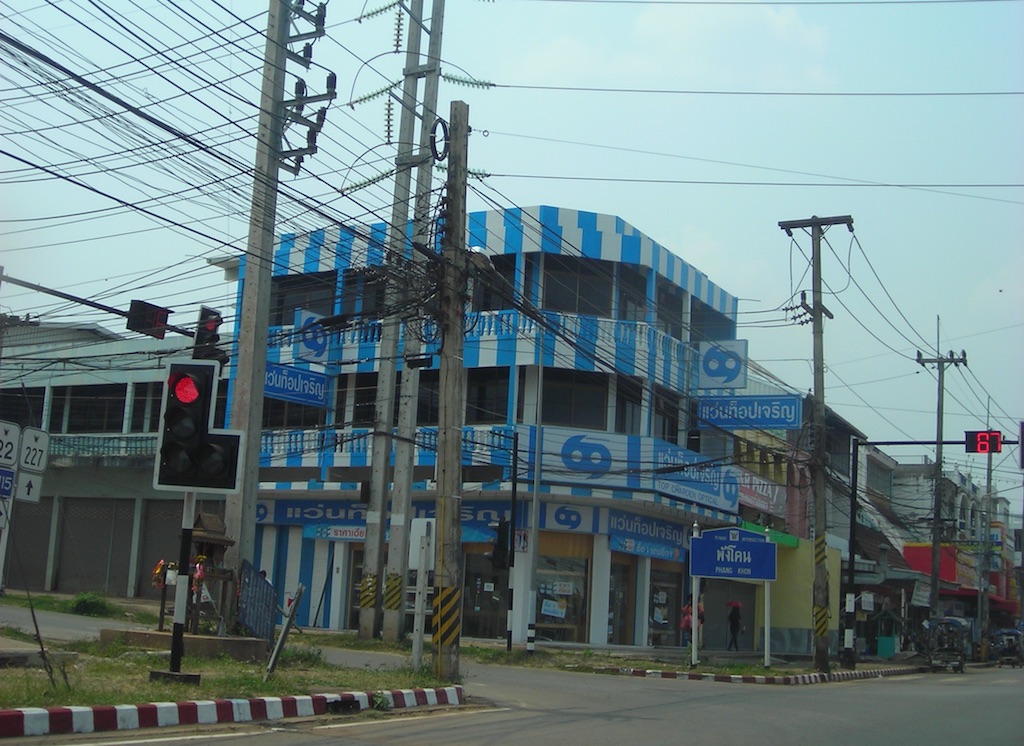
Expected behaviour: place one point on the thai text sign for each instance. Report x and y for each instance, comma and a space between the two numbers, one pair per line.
750, 412
732, 553
296, 385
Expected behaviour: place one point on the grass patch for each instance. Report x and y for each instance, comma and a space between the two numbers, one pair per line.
83, 604
116, 674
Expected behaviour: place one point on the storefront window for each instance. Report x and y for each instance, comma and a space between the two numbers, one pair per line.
562, 599
666, 602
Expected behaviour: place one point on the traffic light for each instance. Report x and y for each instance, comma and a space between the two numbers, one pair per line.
501, 551
191, 454
207, 336
148, 319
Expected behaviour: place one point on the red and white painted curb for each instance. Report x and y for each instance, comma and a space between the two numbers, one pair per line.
790, 680
41, 721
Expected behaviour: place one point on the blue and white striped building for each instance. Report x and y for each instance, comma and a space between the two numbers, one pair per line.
612, 356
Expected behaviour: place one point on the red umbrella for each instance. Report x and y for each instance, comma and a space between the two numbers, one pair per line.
734, 604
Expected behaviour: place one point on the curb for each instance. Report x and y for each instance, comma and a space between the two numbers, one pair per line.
789, 680
42, 721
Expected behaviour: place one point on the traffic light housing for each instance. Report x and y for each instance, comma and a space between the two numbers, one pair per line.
191, 454
208, 336
501, 551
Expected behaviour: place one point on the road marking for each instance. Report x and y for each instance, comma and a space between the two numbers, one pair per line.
461, 713
170, 739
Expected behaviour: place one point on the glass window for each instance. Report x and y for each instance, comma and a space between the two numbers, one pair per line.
90, 409
364, 400
666, 416
428, 398
632, 294
562, 599
670, 309
146, 407
575, 398
628, 406
362, 292
286, 414
496, 293
23, 406
313, 291
577, 285
486, 395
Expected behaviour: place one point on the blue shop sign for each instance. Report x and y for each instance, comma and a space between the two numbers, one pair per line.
750, 412
296, 385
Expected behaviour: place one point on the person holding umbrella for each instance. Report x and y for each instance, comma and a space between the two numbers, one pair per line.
734, 625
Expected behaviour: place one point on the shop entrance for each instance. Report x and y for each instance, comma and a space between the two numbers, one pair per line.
484, 599
621, 599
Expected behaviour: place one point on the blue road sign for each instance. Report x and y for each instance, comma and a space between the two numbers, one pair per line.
734, 554
7, 483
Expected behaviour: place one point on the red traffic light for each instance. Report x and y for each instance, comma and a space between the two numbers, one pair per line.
184, 388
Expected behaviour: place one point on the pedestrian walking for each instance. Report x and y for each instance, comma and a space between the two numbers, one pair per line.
734, 628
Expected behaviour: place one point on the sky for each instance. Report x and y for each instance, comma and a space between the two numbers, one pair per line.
702, 124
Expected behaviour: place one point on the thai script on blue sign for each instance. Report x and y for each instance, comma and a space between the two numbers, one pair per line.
691, 476
750, 412
733, 553
642, 548
296, 385
643, 528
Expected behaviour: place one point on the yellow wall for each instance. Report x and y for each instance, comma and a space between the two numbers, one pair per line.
791, 593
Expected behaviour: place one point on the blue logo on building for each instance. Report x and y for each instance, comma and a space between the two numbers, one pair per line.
591, 457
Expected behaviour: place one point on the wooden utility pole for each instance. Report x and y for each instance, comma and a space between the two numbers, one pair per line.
942, 362
820, 593
447, 604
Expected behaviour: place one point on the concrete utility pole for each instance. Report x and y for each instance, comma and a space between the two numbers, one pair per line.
942, 362
253, 322
447, 604
247, 397
423, 160
819, 452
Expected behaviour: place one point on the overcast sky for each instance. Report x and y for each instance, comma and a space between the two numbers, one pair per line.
701, 124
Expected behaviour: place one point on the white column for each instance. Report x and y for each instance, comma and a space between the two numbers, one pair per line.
600, 584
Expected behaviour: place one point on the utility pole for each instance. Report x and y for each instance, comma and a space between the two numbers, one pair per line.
423, 161
247, 396
942, 362
986, 547
820, 594
447, 603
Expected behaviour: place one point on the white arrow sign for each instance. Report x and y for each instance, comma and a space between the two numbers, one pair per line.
30, 486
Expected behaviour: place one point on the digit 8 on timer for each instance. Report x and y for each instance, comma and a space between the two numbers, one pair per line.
983, 441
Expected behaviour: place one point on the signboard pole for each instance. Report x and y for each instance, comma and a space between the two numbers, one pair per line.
694, 602
767, 611
6, 506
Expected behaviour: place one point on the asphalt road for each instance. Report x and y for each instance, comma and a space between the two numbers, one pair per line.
517, 705
62, 627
